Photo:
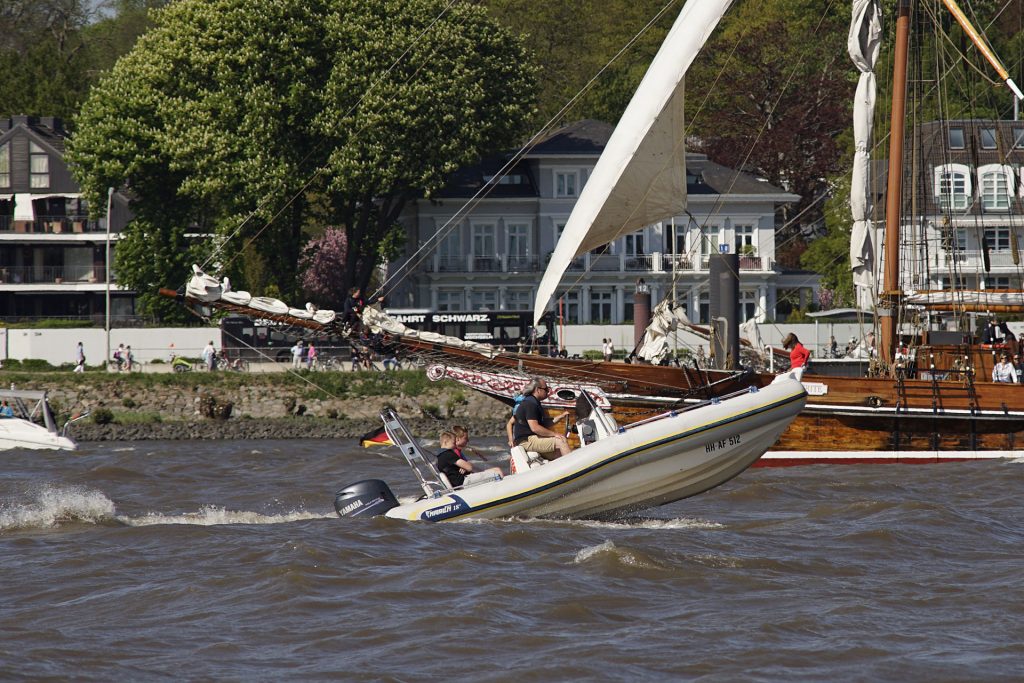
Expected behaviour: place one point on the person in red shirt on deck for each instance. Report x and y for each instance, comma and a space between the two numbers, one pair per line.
798, 354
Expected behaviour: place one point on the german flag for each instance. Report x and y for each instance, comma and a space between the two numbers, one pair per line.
375, 437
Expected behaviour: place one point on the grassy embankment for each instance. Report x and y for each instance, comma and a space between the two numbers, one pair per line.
122, 397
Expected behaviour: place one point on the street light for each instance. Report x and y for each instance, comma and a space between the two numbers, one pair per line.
110, 201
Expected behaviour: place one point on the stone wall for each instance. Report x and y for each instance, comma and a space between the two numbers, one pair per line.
263, 406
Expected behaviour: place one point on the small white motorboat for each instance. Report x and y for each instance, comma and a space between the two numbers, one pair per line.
617, 470
32, 424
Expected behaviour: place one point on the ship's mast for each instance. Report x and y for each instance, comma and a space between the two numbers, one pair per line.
891, 292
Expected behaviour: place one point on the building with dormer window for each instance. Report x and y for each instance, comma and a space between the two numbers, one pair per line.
53, 259
492, 257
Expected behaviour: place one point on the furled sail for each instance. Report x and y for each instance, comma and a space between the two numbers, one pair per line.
978, 300
863, 44
641, 175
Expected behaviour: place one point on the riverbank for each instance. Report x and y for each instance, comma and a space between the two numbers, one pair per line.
134, 406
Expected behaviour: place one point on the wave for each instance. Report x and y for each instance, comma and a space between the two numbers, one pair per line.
608, 552
212, 515
52, 506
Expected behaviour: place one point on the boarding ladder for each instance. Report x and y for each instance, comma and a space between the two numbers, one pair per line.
433, 483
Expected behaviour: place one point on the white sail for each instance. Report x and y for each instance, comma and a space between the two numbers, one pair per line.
641, 175
863, 44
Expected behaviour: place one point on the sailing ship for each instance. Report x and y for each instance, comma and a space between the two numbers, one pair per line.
933, 403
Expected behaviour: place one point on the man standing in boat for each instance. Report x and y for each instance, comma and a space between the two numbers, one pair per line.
532, 427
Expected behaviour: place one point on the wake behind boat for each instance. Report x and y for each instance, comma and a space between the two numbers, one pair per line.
617, 470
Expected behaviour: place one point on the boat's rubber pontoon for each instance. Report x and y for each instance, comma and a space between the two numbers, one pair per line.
618, 469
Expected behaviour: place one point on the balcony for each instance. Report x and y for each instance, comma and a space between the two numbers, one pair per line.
597, 263
51, 225
27, 275
973, 259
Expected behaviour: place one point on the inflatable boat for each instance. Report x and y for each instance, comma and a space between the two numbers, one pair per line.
616, 470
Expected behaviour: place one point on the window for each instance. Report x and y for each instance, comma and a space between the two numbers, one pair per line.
635, 243
517, 246
39, 166
484, 251
517, 299
565, 183
600, 307
450, 300
570, 302
952, 186
748, 306
998, 238
988, 138
704, 308
708, 241
996, 183
1018, 137
997, 282
948, 283
954, 243
956, 138
745, 240
483, 299
5, 165
449, 253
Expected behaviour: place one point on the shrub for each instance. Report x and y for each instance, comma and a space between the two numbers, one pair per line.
36, 365
128, 402
102, 416
432, 411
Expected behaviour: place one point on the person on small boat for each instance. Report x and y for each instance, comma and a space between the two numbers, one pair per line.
1004, 370
462, 443
532, 427
6, 410
459, 470
798, 354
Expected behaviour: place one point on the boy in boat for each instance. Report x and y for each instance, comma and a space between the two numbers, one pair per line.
532, 427
459, 470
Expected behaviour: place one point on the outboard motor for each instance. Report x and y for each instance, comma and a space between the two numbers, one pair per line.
367, 498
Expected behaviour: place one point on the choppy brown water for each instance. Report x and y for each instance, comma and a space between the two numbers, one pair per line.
224, 560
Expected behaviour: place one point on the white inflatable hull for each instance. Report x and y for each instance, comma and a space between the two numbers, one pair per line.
644, 466
18, 433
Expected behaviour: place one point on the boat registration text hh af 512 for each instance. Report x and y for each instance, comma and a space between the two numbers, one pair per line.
713, 446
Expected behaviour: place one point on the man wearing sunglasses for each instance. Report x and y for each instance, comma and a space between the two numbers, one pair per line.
532, 428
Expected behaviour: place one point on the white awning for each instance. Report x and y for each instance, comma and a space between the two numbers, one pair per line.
23, 208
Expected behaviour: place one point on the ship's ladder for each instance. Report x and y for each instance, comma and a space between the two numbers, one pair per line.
433, 482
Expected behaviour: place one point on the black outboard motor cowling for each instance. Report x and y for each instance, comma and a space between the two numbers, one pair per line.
367, 498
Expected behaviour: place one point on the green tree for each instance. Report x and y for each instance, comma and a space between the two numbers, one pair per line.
230, 116
829, 254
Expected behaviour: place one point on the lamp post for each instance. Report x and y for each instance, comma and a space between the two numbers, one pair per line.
110, 201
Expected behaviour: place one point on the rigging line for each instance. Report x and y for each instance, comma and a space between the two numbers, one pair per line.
289, 370
317, 147
431, 242
676, 146
720, 199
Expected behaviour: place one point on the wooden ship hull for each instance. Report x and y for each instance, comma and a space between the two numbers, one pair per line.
958, 414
